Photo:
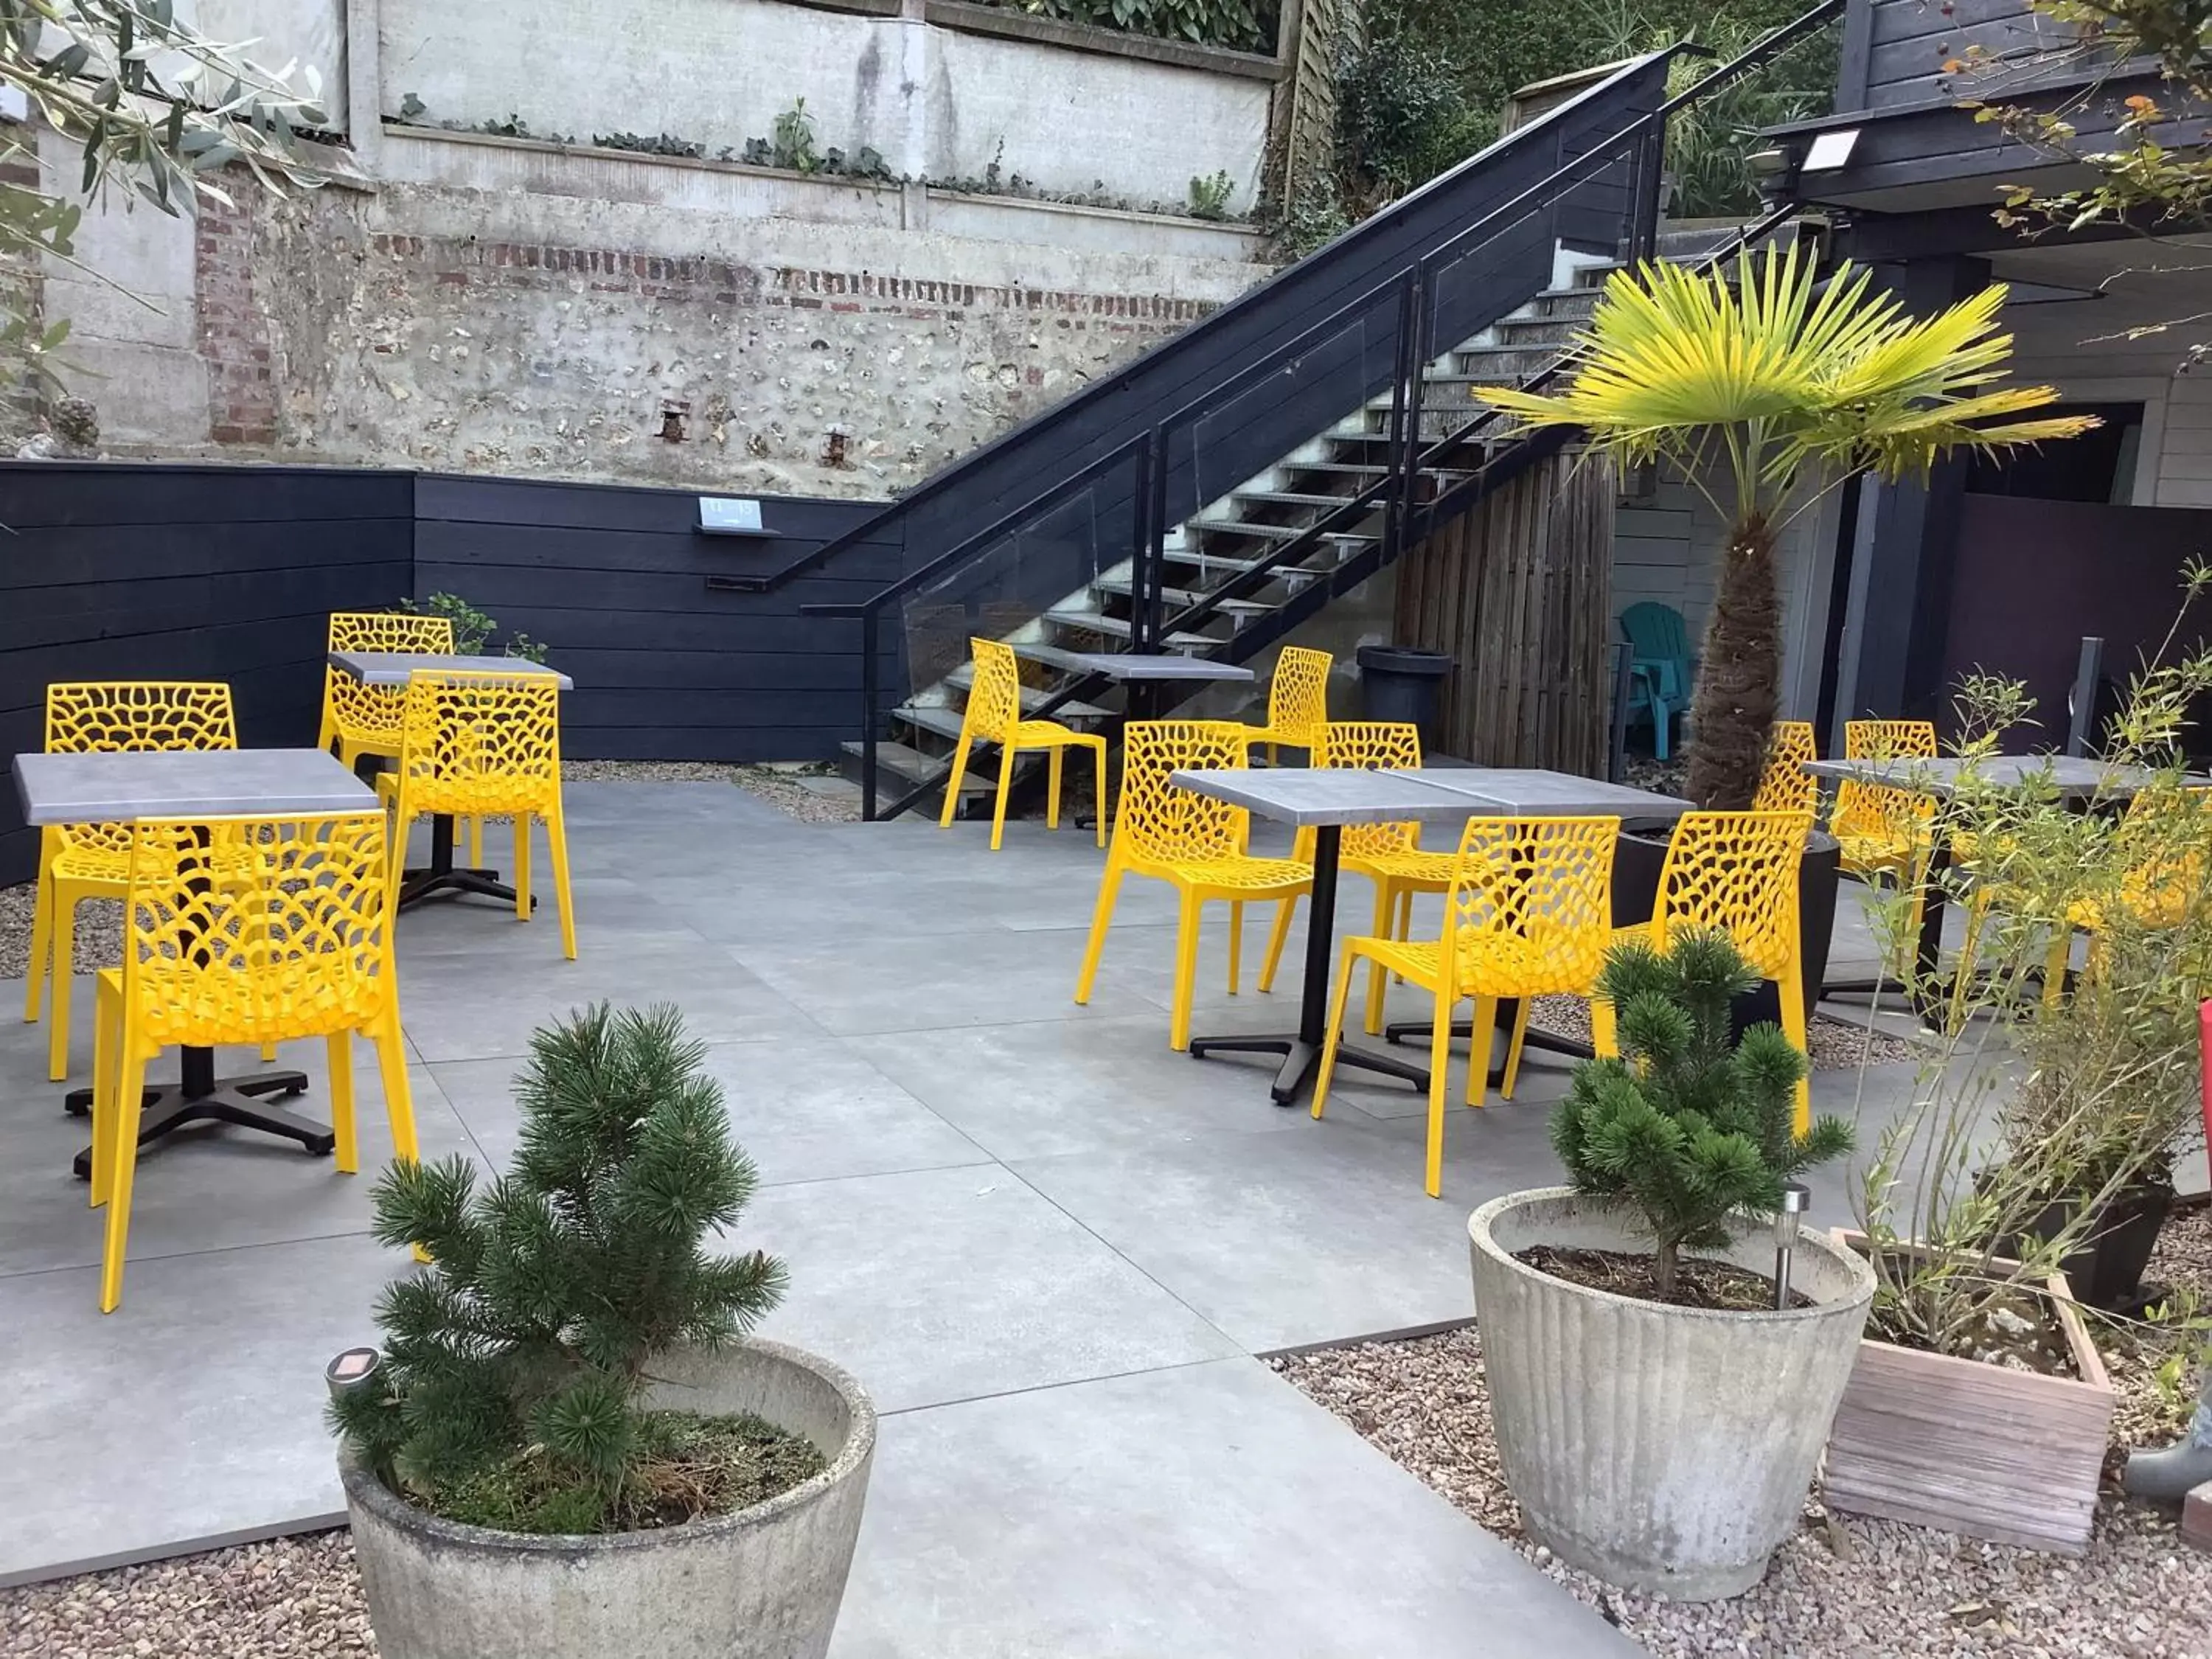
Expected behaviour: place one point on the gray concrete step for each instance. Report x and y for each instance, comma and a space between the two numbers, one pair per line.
1178, 597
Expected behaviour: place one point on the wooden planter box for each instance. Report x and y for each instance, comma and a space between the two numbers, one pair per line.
2009, 1456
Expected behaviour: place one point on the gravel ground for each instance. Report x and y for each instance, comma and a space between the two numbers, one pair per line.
1837, 1045
1843, 1587
294, 1598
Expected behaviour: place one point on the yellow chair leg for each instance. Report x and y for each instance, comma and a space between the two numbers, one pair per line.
2054, 962
1186, 973
952, 783
1440, 1066
1605, 1040
1276, 936
1006, 784
391, 1073
338, 1047
1962, 971
122, 1139
1791, 985
1235, 945
42, 926
268, 1054
1405, 927
1054, 761
522, 866
106, 1057
1102, 917
64, 961
1335, 1030
1483, 1033
475, 842
1513, 1049
1098, 756
1378, 979
556, 841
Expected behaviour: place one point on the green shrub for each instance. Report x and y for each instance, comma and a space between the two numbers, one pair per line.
1692, 1128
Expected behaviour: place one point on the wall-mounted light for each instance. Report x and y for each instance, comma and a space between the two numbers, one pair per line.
1831, 150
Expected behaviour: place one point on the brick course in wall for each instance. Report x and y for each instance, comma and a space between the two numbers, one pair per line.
234, 333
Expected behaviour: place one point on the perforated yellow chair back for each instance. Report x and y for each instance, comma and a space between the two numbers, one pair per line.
1298, 699
995, 700
1785, 786
1737, 871
1889, 740
249, 931
140, 716
1157, 823
365, 719
134, 716
480, 743
1888, 820
1531, 905
1374, 746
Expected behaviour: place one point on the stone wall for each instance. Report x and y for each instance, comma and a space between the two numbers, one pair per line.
587, 333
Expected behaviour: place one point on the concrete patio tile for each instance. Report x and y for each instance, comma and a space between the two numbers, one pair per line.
950, 1284
1045, 1089
992, 977
191, 1414
805, 1108
1208, 1512
465, 1005
1285, 1239
211, 1187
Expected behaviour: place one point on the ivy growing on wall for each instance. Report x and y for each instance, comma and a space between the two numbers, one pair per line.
1240, 25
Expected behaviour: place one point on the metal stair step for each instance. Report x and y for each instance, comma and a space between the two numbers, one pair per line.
1183, 596
1273, 532
909, 767
1114, 627
1290, 498
1034, 698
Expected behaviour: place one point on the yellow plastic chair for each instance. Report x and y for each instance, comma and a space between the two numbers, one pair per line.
1388, 854
1881, 831
1192, 841
1297, 702
1530, 914
485, 744
79, 862
249, 931
1736, 872
366, 719
1785, 786
994, 715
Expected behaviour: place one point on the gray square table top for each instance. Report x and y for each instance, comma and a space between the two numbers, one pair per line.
193, 783
1134, 665
394, 667
1531, 793
1300, 796
2070, 775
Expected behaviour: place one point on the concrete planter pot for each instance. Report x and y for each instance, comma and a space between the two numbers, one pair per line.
1661, 1448
762, 1584
2010, 1456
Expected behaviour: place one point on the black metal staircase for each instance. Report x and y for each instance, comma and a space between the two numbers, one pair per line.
1226, 486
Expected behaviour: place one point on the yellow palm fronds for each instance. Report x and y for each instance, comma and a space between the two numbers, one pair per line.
1772, 369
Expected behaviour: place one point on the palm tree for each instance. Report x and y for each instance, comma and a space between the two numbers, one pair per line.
1751, 384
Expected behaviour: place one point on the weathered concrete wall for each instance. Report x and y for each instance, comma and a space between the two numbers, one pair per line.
309, 34
932, 101
627, 327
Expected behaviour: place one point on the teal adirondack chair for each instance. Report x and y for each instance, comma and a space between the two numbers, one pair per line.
1660, 671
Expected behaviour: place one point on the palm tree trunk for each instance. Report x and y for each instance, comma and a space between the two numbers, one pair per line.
1739, 674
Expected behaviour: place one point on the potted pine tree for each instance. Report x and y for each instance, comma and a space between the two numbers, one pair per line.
567, 1446
1658, 1420
1766, 387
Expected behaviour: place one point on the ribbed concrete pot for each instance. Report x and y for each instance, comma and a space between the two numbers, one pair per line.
762, 1583
1661, 1448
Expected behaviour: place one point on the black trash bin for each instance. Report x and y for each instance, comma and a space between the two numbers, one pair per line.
1404, 685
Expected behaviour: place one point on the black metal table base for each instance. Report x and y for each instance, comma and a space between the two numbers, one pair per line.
442, 875
1301, 1060
203, 1097
1536, 1037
